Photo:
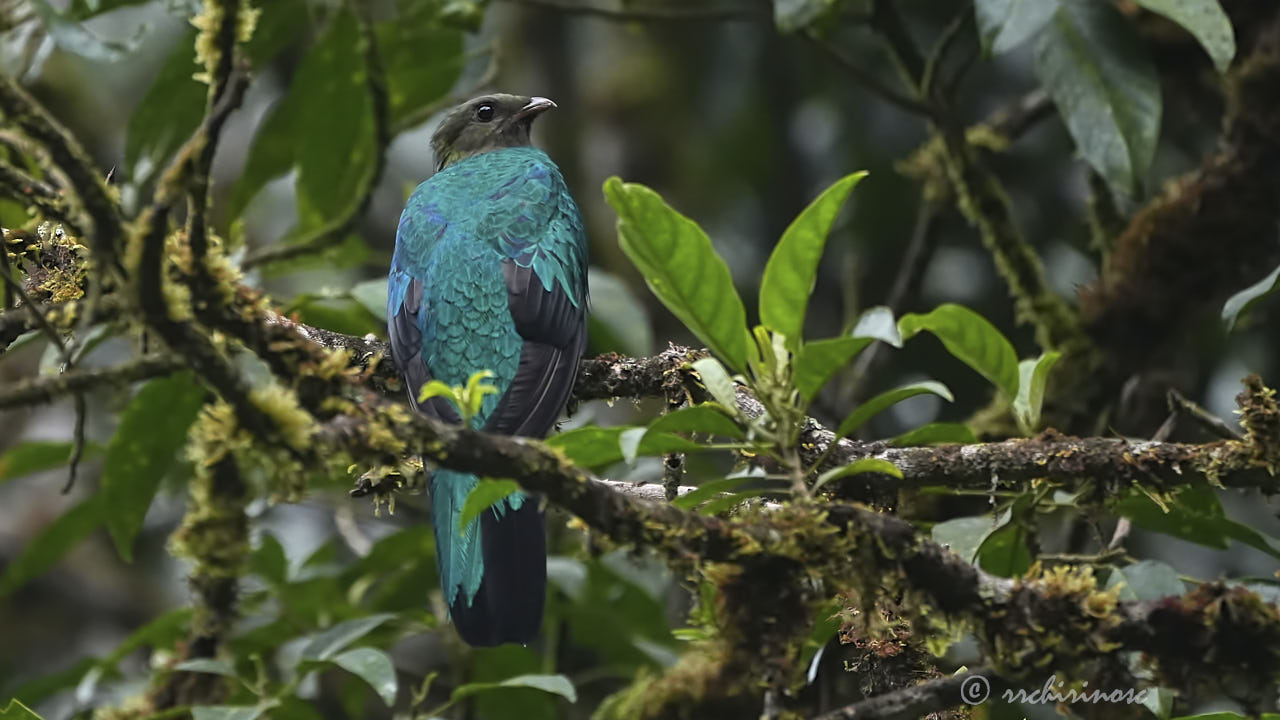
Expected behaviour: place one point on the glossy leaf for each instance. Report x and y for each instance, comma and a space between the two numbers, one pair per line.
964, 535
272, 152
167, 114
207, 665
1096, 69
1206, 20
884, 400
1004, 552
421, 61
1193, 513
619, 321
936, 434
819, 360
31, 457
1146, 581
1033, 376
1005, 24
554, 684
229, 712
595, 447
334, 128
1241, 302
710, 489
682, 269
792, 15
483, 496
17, 711
374, 667
792, 269
972, 339
717, 381
877, 323
710, 418
333, 640
51, 543
72, 36
151, 435
865, 465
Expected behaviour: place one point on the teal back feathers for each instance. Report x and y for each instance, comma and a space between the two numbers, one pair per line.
489, 273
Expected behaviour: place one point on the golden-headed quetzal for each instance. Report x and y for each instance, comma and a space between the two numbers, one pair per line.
490, 273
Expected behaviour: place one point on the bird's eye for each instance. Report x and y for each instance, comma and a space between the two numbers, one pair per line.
484, 113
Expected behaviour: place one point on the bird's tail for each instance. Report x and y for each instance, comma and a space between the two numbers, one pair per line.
494, 573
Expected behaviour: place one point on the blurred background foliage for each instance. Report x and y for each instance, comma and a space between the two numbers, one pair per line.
735, 123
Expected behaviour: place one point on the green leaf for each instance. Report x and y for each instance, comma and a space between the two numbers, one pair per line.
330, 642
715, 506
717, 381
590, 446
793, 266
964, 535
372, 295
972, 339
1250, 296
207, 665
276, 28
1146, 580
708, 417
73, 37
877, 323
817, 361
17, 711
269, 560
152, 432
52, 543
1098, 73
595, 447
1004, 552
1213, 716
334, 128
865, 465
230, 712
619, 321
1205, 20
879, 403
31, 457
374, 667
483, 496
792, 15
682, 269
420, 59
1033, 375
936, 434
1005, 24
168, 114
272, 152
162, 632
1191, 513
554, 684
710, 489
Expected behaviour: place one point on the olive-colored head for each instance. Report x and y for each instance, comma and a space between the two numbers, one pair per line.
489, 122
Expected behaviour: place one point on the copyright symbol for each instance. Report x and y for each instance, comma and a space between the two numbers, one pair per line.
975, 689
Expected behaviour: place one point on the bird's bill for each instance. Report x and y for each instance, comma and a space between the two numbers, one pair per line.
535, 106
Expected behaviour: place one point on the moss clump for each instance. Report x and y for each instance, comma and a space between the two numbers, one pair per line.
700, 686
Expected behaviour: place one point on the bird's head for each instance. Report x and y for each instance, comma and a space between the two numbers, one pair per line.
489, 122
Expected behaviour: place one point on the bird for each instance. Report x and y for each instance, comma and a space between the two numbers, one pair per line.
489, 272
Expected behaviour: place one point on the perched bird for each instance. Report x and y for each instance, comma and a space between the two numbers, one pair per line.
490, 273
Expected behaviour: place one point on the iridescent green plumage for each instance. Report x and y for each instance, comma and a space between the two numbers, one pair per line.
489, 272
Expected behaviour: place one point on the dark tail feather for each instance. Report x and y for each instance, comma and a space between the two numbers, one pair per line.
508, 606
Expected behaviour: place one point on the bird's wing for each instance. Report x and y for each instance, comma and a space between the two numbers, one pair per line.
544, 266
406, 299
